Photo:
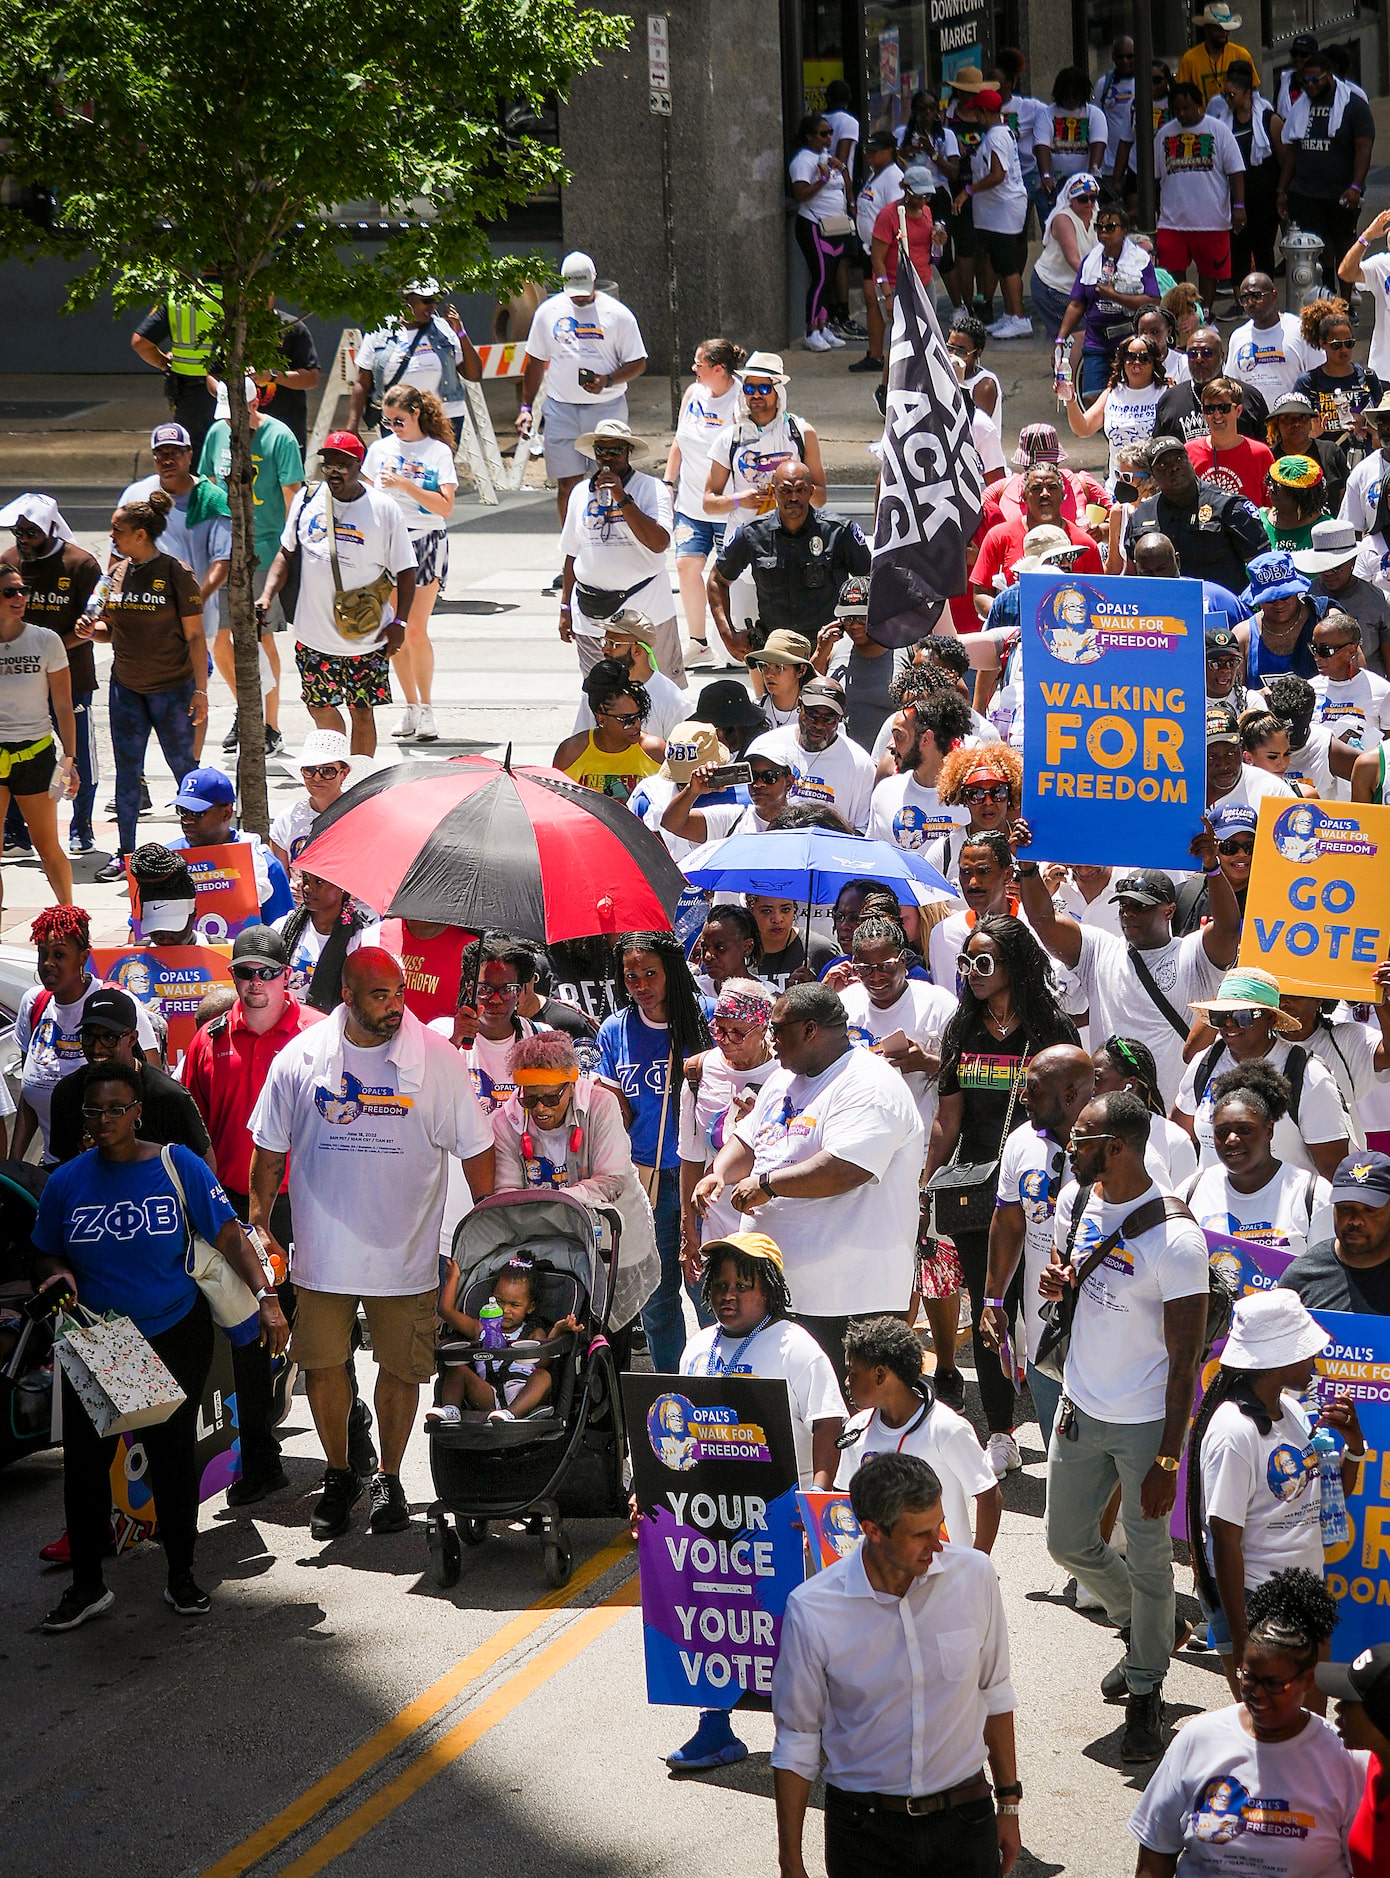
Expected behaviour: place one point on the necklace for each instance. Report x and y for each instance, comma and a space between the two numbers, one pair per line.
1000, 1025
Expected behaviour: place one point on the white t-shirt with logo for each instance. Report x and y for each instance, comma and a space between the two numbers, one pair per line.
906, 815
372, 538
1270, 357
1229, 1806
1321, 1116
921, 1013
1376, 268
751, 456
1248, 787
50, 1046
1194, 168
424, 370
778, 1349
308, 951
1356, 710
810, 166
875, 196
941, 1438
1117, 1363
427, 462
1121, 1006
1290, 1212
608, 555
703, 416
840, 777
1267, 1485
370, 1134
1117, 102
1071, 134
856, 1250
598, 337
1362, 495
1003, 209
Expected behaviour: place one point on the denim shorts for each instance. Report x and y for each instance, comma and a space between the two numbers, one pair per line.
697, 535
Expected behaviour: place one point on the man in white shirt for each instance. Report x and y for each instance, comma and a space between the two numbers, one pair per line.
833, 1149
1199, 168
370, 540
593, 348
1128, 1382
626, 640
905, 810
884, 185
1231, 781
894, 1665
614, 541
1352, 703
832, 771
1268, 351
1114, 93
367, 1107
1139, 985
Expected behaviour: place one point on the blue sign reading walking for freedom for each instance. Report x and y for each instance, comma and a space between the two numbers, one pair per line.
1114, 719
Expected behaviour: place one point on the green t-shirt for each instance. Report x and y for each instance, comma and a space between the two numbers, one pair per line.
276, 461
1289, 540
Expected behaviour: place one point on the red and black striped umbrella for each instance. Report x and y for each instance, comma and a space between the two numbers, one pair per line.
477, 843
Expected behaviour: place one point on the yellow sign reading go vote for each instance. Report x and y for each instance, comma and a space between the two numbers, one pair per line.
1318, 911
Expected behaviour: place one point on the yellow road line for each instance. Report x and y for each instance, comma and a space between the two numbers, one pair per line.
440, 1754
414, 1715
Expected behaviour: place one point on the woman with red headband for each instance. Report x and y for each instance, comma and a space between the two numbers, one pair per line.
562, 1129
48, 1029
986, 782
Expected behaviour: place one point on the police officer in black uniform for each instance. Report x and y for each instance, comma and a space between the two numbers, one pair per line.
1215, 531
799, 558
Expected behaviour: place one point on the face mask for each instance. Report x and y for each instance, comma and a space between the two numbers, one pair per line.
1126, 492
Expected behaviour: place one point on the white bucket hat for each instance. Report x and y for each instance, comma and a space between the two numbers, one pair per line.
1270, 1329
763, 365
613, 430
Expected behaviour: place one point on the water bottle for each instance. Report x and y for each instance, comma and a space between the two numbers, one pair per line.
62, 771
1336, 1527
490, 1326
99, 598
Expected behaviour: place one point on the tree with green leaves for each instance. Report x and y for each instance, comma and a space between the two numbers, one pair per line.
181, 145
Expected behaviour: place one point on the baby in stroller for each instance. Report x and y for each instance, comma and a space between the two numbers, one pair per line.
505, 1386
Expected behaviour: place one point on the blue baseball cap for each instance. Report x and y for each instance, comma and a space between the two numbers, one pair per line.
1235, 819
205, 789
170, 433
1363, 1179
1273, 577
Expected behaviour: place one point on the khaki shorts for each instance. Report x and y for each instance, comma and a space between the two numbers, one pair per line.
402, 1331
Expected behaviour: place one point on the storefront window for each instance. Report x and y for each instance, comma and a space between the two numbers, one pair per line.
822, 50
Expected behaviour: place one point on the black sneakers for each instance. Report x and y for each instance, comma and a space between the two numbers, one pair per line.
390, 1510
253, 1487
187, 1598
76, 1606
342, 1489
1143, 1735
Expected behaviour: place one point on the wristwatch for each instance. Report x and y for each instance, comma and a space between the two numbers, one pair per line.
266, 1291
765, 1183
1014, 1791
1166, 1462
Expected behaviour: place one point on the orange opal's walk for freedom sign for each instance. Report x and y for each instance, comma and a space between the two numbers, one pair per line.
1317, 914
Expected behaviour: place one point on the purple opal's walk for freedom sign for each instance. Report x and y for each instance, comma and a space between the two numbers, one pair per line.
720, 1544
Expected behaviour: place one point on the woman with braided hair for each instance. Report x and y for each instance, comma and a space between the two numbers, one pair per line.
168, 901
1263, 1786
48, 1029
1253, 1491
325, 926
1125, 1063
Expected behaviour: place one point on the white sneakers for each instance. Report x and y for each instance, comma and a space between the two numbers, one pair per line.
698, 654
425, 731
1011, 328
443, 1414
819, 340
1003, 1455
409, 724
417, 725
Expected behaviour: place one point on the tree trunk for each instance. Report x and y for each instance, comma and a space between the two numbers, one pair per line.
255, 811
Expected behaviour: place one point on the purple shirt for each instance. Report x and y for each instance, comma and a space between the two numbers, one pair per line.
1107, 323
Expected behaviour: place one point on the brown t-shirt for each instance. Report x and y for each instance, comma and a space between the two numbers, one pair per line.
148, 604
61, 585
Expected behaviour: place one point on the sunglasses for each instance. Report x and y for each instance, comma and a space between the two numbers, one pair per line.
260, 974
1330, 652
814, 715
322, 772
874, 971
1138, 358
1223, 658
1202, 352
1339, 345
763, 776
1224, 408
1237, 1020
976, 793
541, 1098
982, 965
628, 719
1254, 299
758, 391
1108, 228
1243, 844
395, 423
1080, 1140
602, 451
13, 593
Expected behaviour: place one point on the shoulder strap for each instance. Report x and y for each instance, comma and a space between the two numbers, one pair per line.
694, 1070
1083, 1200
1156, 997
219, 1026
1309, 1194
421, 332
1295, 1069
1204, 1069
41, 1004
797, 437
332, 538
1164, 1206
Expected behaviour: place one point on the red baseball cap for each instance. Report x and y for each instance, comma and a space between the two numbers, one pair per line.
345, 442
989, 100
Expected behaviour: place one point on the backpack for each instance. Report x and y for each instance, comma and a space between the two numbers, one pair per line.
1293, 1071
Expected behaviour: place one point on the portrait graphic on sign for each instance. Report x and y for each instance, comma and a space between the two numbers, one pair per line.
1317, 913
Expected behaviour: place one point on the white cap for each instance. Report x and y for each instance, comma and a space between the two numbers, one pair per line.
1270, 1329
324, 746
577, 271
426, 289
770, 745
224, 409
39, 512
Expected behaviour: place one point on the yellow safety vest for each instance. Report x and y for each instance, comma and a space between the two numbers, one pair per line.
195, 324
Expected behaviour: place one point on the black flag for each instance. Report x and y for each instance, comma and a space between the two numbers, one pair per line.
933, 480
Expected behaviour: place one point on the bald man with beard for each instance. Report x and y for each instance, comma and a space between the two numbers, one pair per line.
367, 1108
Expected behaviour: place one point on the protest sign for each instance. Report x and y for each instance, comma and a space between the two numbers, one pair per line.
226, 895
1114, 722
1317, 914
832, 1531
171, 979
720, 1544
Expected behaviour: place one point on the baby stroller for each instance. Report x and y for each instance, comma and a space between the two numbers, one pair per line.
568, 1456
26, 1320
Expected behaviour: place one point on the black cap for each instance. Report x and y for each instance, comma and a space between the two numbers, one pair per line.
1222, 639
1146, 887
727, 706
1366, 1679
110, 1009
260, 942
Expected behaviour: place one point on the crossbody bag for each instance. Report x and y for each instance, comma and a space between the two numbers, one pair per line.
356, 610
963, 1192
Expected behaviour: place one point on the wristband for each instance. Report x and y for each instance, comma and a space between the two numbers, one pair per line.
968, 190
1357, 187
765, 1182
1363, 241
995, 1303
1207, 872
1026, 869
565, 609
265, 1293
1008, 1812
523, 407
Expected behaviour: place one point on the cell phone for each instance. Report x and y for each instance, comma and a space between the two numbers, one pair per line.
729, 775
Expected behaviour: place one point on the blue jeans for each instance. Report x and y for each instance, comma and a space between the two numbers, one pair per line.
1046, 1395
1049, 303
133, 715
1095, 372
662, 1316
85, 763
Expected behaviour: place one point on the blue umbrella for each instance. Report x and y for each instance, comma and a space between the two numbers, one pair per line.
813, 864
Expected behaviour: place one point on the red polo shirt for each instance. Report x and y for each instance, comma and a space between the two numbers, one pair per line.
1002, 547
225, 1070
